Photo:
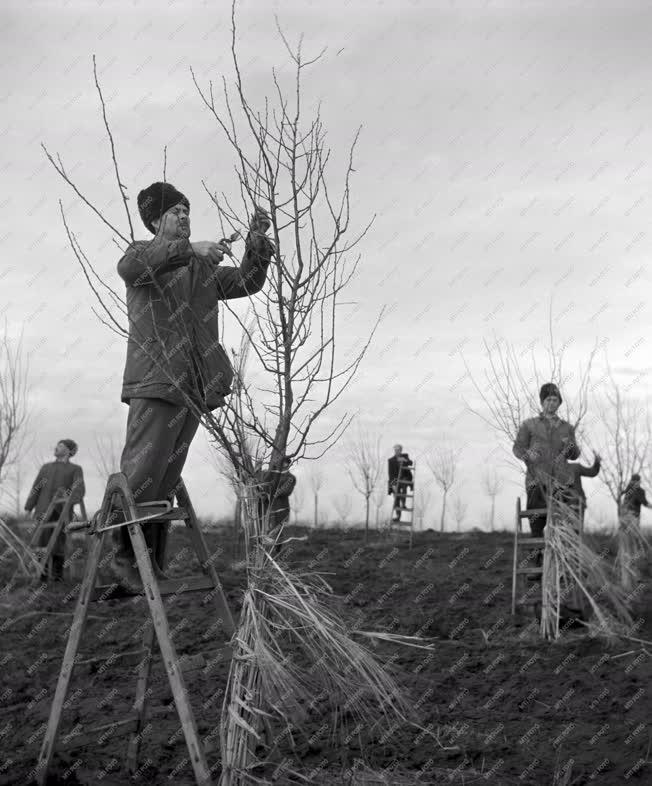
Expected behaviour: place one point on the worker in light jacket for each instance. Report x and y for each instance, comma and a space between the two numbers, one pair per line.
545, 443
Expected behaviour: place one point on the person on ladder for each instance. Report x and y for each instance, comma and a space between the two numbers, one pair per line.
174, 356
545, 443
399, 479
57, 478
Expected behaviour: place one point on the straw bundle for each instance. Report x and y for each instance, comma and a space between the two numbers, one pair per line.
289, 648
632, 547
574, 575
14, 547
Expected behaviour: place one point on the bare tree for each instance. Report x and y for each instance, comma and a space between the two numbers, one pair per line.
509, 386
459, 511
492, 484
364, 467
442, 462
297, 501
316, 478
625, 439
422, 502
342, 505
106, 455
379, 498
284, 164
14, 400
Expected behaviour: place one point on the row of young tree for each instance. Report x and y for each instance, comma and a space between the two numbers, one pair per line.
366, 469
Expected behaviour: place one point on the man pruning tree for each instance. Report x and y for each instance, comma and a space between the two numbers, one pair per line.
545, 443
174, 355
59, 478
577, 496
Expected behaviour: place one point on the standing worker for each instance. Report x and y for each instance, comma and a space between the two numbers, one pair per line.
58, 478
633, 497
174, 355
545, 443
577, 497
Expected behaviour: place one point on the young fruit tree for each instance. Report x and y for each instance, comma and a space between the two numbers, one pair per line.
442, 462
364, 468
507, 396
492, 485
624, 443
293, 375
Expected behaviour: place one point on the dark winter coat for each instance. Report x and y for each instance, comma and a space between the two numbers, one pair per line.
550, 442
172, 303
579, 472
277, 488
56, 477
393, 468
633, 498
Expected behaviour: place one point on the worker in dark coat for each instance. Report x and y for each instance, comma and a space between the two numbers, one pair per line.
278, 486
57, 479
633, 497
174, 354
577, 497
399, 479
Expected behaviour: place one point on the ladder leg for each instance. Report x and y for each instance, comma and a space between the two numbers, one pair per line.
201, 549
170, 659
76, 629
140, 702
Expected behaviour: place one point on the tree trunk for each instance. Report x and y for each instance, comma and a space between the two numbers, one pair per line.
493, 507
442, 523
366, 517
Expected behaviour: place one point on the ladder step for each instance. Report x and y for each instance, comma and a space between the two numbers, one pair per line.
201, 660
170, 587
134, 655
525, 514
126, 725
531, 541
528, 601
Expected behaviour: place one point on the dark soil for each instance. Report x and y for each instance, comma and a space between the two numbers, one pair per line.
507, 707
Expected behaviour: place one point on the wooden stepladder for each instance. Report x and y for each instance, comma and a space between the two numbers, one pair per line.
119, 504
45, 552
523, 567
403, 501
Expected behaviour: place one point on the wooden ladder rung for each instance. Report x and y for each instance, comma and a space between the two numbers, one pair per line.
526, 514
125, 725
114, 591
136, 655
531, 541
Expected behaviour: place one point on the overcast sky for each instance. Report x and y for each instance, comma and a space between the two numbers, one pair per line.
504, 152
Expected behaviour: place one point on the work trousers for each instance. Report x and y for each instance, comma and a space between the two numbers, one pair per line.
158, 438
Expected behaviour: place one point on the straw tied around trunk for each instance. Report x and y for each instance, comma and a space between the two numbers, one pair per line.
575, 577
291, 647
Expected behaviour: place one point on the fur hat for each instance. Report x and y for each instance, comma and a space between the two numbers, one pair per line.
70, 444
156, 200
549, 389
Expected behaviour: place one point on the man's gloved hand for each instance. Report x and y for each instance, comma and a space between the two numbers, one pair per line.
260, 221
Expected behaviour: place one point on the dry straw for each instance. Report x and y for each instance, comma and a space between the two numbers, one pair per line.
291, 648
575, 576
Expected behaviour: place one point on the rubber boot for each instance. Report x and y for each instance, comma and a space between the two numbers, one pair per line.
123, 564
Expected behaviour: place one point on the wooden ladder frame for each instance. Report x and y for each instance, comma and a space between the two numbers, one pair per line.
409, 495
519, 573
57, 527
117, 490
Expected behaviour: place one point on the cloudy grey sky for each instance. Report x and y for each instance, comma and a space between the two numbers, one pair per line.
504, 153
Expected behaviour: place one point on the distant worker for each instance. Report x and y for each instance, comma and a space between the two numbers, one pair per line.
577, 497
59, 478
632, 499
278, 486
399, 479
